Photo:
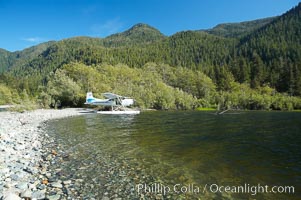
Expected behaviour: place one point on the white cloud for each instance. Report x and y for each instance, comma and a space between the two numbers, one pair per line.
107, 28
33, 39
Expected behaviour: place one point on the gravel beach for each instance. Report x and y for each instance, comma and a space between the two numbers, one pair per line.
23, 172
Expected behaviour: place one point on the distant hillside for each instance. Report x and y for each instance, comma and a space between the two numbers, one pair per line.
10, 60
275, 52
259, 53
138, 34
4, 60
236, 30
195, 50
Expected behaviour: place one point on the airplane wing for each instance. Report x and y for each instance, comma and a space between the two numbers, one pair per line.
111, 95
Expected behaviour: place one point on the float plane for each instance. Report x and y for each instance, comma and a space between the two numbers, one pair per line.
116, 102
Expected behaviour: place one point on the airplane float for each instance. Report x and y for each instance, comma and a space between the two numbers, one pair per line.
116, 102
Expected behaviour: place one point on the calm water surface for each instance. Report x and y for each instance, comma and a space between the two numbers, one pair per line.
115, 153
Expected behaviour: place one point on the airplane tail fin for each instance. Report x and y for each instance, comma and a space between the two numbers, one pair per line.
89, 97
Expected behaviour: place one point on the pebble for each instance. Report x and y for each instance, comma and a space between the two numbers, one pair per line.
56, 185
54, 197
14, 177
39, 194
41, 186
39, 171
22, 186
26, 194
4, 171
11, 196
68, 182
48, 174
21, 153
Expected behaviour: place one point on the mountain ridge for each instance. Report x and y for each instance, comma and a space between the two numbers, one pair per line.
135, 27
137, 34
238, 29
259, 69
241, 55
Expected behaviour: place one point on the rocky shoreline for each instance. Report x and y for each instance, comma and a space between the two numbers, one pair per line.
23, 159
35, 165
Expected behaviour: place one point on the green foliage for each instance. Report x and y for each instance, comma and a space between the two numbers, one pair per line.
5, 95
24, 106
274, 53
250, 65
239, 29
268, 55
4, 60
62, 91
145, 85
11, 96
137, 35
263, 98
9, 60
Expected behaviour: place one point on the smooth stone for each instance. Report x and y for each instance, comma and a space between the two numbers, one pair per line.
8, 180
20, 174
41, 186
48, 158
67, 182
105, 198
26, 194
48, 174
27, 156
22, 186
14, 177
52, 192
38, 194
52, 179
33, 184
19, 147
79, 180
54, 197
11, 196
56, 185
5, 170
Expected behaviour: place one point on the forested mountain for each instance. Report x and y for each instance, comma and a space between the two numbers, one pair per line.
14, 59
274, 53
190, 49
236, 30
4, 60
264, 55
137, 35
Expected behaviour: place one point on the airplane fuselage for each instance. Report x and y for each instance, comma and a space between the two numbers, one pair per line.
101, 102
114, 100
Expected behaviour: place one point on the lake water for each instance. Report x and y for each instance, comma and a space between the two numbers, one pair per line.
145, 155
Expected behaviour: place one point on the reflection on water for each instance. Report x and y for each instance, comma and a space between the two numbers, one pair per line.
186, 148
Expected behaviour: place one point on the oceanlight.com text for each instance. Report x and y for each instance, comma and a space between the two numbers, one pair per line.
158, 188
250, 189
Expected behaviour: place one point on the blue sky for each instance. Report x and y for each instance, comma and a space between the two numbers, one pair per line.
25, 23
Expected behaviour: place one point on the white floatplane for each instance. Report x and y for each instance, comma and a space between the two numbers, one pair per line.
117, 103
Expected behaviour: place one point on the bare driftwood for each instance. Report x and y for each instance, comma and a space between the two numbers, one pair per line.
223, 111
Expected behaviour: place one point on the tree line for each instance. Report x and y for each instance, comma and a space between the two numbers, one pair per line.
157, 86
206, 69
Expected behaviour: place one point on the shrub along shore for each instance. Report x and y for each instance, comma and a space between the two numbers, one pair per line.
23, 164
